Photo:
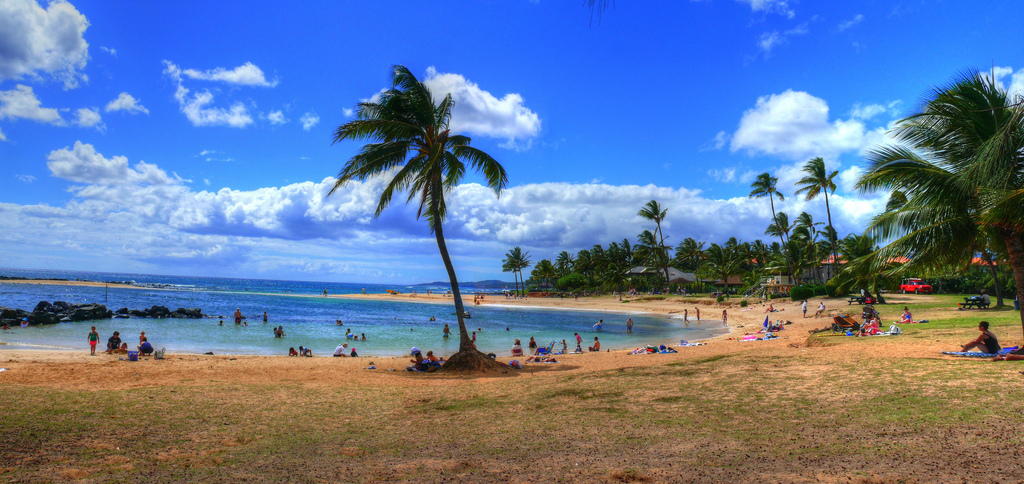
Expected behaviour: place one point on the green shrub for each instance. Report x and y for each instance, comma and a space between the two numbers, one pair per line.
744, 303
806, 291
720, 299
571, 282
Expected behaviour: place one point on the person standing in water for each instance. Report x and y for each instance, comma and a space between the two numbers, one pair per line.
94, 338
447, 331
264, 316
238, 316
629, 325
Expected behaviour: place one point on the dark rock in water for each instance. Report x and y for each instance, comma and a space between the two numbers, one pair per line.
208, 353
8, 313
42, 317
158, 312
190, 313
62, 307
43, 307
86, 312
122, 311
138, 314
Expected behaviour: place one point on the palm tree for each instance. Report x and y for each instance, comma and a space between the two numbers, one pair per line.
412, 144
819, 181
515, 261
720, 263
780, 228
765, 185
957, 164
544, 270
508, 266
688, 254
564, 263
653, 211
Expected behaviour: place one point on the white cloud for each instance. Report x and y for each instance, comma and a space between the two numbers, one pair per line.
90, 118
348, 112
276, 117
2, 136
309, 120
868, 111
770, 40
726, 175
25, 178
244, 75
83, 164
196, 107
21, 102
50, 40
125, 102
1012, 81
850, 23
131, 217
479, 112
112, 52
795, 125
780, 7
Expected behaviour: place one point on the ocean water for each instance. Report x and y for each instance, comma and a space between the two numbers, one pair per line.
391, 327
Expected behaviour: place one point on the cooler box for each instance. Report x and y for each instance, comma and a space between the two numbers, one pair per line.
133, 356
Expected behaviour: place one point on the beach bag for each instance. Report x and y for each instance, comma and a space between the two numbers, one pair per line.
133, 356
895, 330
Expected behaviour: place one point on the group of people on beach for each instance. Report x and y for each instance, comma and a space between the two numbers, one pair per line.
116, 346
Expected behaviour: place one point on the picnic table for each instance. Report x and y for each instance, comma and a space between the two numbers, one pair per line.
973, 302
855, 299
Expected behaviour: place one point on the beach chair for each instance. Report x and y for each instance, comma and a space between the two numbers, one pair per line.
159, 355
842, 323
546, 350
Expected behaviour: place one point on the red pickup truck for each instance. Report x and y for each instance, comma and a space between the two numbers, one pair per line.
915, 285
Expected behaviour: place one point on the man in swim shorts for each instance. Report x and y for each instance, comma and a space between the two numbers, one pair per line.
238, 316
597, 345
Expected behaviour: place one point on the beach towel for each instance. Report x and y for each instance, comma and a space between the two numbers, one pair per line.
970, 354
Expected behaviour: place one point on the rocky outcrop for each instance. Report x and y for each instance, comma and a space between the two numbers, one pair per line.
60, 311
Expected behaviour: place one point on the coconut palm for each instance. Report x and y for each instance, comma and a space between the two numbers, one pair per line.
544, 270
958, 164
515, 261
564, 263
652, 211
766, 185
818, 181
688, 254
413, 146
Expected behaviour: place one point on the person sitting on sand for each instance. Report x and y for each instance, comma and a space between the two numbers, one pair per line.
145, 348
821, 309
341, 350
771, 308
517, 348
597, 345
418, 364
292, 352
985, 341
353, 353
871, 328
433, 360
114, 342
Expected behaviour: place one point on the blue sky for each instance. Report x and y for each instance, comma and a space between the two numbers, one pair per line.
195, 138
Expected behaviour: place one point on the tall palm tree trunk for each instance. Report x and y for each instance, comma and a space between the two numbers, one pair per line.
664, 261
831, 235
1015, 251
465, 343
985, 257
785, 251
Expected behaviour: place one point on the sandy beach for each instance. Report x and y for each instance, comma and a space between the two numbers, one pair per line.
728, 411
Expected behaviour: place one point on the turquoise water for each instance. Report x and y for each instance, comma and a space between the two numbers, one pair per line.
391, 327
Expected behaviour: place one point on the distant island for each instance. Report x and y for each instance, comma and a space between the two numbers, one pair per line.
488, 284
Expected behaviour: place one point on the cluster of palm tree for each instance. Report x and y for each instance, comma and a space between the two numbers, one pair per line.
956, 174
515, 261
